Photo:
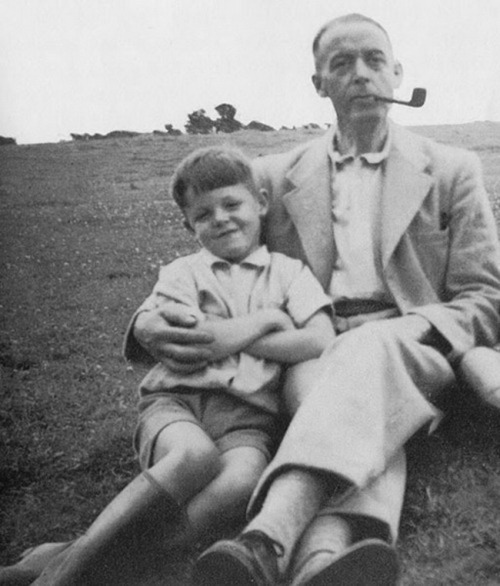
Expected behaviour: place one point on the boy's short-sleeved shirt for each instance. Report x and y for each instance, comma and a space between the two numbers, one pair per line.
212, 288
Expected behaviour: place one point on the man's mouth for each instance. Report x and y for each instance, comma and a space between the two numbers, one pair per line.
364, 98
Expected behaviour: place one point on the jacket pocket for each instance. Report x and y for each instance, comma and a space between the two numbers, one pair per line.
432, 249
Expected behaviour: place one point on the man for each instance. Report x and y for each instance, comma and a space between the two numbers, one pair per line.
399, 230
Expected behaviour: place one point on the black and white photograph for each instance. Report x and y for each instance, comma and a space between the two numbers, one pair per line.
249, 293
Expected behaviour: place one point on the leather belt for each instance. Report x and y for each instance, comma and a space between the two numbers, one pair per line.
350, 307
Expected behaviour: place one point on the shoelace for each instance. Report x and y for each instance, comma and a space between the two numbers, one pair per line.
256, 538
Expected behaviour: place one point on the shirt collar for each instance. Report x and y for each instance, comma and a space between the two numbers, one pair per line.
371, 158
258, 258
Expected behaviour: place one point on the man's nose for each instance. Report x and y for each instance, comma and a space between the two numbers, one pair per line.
361, 70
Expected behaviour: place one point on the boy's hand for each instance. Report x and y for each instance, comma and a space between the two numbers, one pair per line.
278, 320
170, 335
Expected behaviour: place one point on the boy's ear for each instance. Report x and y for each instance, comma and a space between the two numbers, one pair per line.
187, 225
263, 199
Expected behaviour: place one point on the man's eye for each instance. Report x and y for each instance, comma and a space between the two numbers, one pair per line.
336, 64
232, 205
376, 60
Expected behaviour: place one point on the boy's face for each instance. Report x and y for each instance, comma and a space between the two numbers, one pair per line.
227, 220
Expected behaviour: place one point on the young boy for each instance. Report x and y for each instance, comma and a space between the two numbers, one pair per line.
204, 438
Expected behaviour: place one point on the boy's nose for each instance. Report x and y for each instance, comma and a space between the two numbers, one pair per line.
220, 215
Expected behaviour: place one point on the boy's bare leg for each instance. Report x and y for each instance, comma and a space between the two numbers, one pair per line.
128, 540
223, 502
185, 460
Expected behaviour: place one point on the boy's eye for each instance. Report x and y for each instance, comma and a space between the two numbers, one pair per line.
201, 216
232, 205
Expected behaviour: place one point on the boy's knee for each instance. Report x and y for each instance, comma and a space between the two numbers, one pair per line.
201, 459
242, 473
196, 455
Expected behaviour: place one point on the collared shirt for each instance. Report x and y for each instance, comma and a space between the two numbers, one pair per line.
212, 288
356, 203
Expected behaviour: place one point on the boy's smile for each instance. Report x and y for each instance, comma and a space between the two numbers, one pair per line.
227, 220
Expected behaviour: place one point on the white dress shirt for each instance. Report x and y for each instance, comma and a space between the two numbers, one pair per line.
356, 204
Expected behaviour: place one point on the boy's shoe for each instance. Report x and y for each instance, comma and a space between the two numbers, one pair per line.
249, 560
33, 561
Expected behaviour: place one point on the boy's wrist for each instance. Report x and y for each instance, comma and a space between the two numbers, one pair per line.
274, 320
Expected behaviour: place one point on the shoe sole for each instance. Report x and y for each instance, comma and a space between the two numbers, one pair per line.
369, 563
223, 568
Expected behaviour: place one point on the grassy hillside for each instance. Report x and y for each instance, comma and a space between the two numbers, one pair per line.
84, 227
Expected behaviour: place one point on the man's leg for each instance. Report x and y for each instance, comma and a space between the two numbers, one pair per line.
364, 405
372, 391
260, 555
350, 542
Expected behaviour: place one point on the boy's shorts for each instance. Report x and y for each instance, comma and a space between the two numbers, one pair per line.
229, 421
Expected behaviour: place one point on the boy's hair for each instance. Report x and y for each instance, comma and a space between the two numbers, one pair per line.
211, 168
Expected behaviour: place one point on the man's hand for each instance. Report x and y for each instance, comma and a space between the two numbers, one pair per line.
415, 326
420, 329
170, 335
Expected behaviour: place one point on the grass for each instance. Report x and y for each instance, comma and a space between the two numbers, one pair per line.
83, 230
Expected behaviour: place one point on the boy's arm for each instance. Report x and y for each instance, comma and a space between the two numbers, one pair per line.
234, 335
297, 345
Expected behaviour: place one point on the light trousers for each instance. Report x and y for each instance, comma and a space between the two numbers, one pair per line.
356, 407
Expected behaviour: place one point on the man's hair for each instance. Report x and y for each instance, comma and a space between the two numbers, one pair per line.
211, 168
345, 19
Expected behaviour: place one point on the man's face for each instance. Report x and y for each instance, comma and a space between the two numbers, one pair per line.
227, 220
354, 62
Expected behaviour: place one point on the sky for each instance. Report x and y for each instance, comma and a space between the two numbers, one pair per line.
100, 65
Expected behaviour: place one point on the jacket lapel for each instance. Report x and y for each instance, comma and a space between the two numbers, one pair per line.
406, 184
309, 207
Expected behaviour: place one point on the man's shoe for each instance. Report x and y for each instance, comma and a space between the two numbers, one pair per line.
249, 560
370, 562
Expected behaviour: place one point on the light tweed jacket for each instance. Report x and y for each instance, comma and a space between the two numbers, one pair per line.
439, 245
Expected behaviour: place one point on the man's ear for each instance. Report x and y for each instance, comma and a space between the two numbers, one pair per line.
263, 199
398, 74
318, 84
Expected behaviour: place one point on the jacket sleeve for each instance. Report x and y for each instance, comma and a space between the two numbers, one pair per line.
468, 312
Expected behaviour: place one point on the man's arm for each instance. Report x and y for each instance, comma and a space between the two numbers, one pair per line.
418, 328
291, 346
169, 335
468, 313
